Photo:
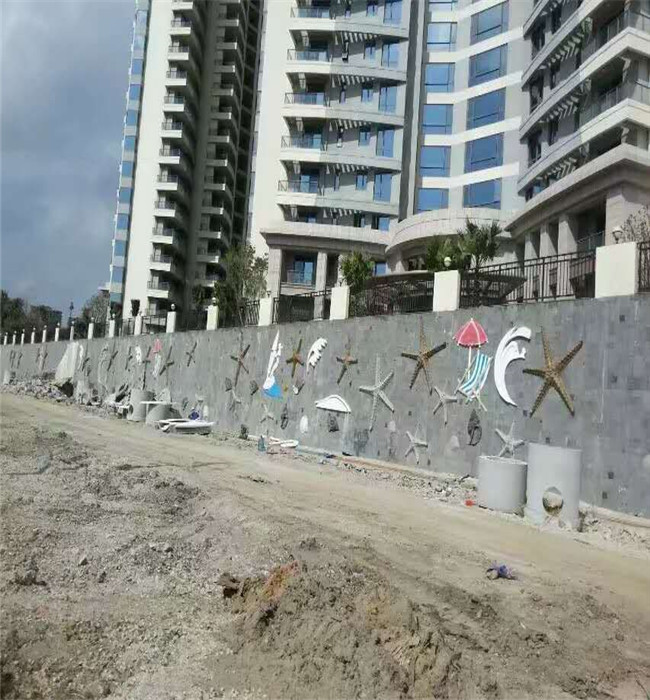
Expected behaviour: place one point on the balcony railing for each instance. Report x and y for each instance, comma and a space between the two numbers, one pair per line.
306, 98
606, 33
177, 74
181, 23
644, 266
161, 258
302, 186
567, 276
172, 126
248, 314
393, 297
308, 55
305, 279
315, 142
160, 285
590, 242
174, 100
313, 306
611, 98
311, 12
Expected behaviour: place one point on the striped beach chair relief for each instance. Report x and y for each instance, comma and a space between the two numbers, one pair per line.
474, 378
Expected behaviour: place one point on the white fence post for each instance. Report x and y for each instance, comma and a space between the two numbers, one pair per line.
33, 338
91, 329
340, 303
137, 325
111, 327
617, 270
213, 317
266, 312
22, 337
57, 332
170, 326
72, 331
44, 336
446, 290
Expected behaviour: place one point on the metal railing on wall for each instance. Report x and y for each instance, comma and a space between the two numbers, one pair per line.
396, 297
154, 323
567, 276
196, 320
248, 315
644, 266
125, 326
312, 306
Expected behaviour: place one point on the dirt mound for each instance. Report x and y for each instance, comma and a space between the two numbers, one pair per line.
337, 631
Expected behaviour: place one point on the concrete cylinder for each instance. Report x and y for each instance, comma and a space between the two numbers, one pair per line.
553, 486
137, 412
157, 412
501, 483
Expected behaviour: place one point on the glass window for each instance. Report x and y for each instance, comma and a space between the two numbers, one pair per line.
439, 77
381, 223
122, 222
555, 71
385, 142
390, 54
437, 119
442, 5
553, 127
127, 168
371, 8
134, 92
387, 98
129, 143
441, 36
362, 180
393, 11
486, 109
124, 195
489, 23
119, 248
131, 117
431, 198
484, 153
434, 161
116, 297
382, 187
136, 66
488, 65
369, 49
342, 95
118, 275
359, 220
364, 135
141, 21
483, 194
366, 92
380, 269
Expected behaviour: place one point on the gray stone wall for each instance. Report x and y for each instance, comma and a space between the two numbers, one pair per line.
609, 381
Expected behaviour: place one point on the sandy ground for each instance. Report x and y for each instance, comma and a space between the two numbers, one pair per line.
116, 539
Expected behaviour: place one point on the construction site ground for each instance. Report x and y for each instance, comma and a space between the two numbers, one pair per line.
119, 542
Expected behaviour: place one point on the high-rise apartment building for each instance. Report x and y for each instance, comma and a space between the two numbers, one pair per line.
586, 124
185, 167
382, 123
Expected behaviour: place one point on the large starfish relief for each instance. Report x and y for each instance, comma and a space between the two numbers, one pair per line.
296, 359
422, 357
551, 373
377, 392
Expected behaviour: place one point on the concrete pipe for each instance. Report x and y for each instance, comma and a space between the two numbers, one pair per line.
553, 488
137, 411
160, 411
501, 483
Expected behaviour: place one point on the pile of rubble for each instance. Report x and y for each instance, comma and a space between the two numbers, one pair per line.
41, 388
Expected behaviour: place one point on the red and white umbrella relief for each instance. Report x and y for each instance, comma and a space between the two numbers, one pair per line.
471, 335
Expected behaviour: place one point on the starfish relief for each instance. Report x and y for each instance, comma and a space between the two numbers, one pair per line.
377, 392
422, 357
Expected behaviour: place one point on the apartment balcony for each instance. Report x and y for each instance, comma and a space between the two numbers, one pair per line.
188, 31
313, 149
161, 262
321, 62
173, 188
176, 160
179, 107
312, 194
220, 235
217, 210
618, 110
220, 187
168, 238
163, 289
208, 279
229, 73
204, 256
176, 132
324, 19
317, 105
188, 9
171, 212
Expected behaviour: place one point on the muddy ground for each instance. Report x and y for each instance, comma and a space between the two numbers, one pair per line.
118, 544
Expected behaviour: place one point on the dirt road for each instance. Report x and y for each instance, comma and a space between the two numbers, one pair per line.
114, 539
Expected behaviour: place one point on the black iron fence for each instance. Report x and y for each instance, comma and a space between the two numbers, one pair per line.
313, 306
644, 266
567, 276
395, 297
125, 326
154, 323
195, 320
100, 330
247, 315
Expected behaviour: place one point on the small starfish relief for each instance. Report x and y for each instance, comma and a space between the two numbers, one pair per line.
377, 392
234, 399
347, 360
129, 357
510, 442
268, 416
296, 359
112, 356
414, 443
239, 359
422, 357
168, 363
443, 400
190, 353
551, 373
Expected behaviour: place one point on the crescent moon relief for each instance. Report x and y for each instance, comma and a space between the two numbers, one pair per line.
508, 351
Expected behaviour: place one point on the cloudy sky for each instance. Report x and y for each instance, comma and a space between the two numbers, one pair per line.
64, 73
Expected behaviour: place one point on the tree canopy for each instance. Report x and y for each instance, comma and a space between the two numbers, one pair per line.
356, 269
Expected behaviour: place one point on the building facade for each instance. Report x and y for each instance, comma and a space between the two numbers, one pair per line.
586, 124
186, 151
382, 123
